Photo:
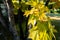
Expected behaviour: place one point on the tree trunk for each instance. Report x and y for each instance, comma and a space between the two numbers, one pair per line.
12, 26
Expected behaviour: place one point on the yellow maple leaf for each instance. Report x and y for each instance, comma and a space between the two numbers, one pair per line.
43, 17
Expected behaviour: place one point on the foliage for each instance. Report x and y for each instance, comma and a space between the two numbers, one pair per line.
16, 6
42, 28
57, 3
